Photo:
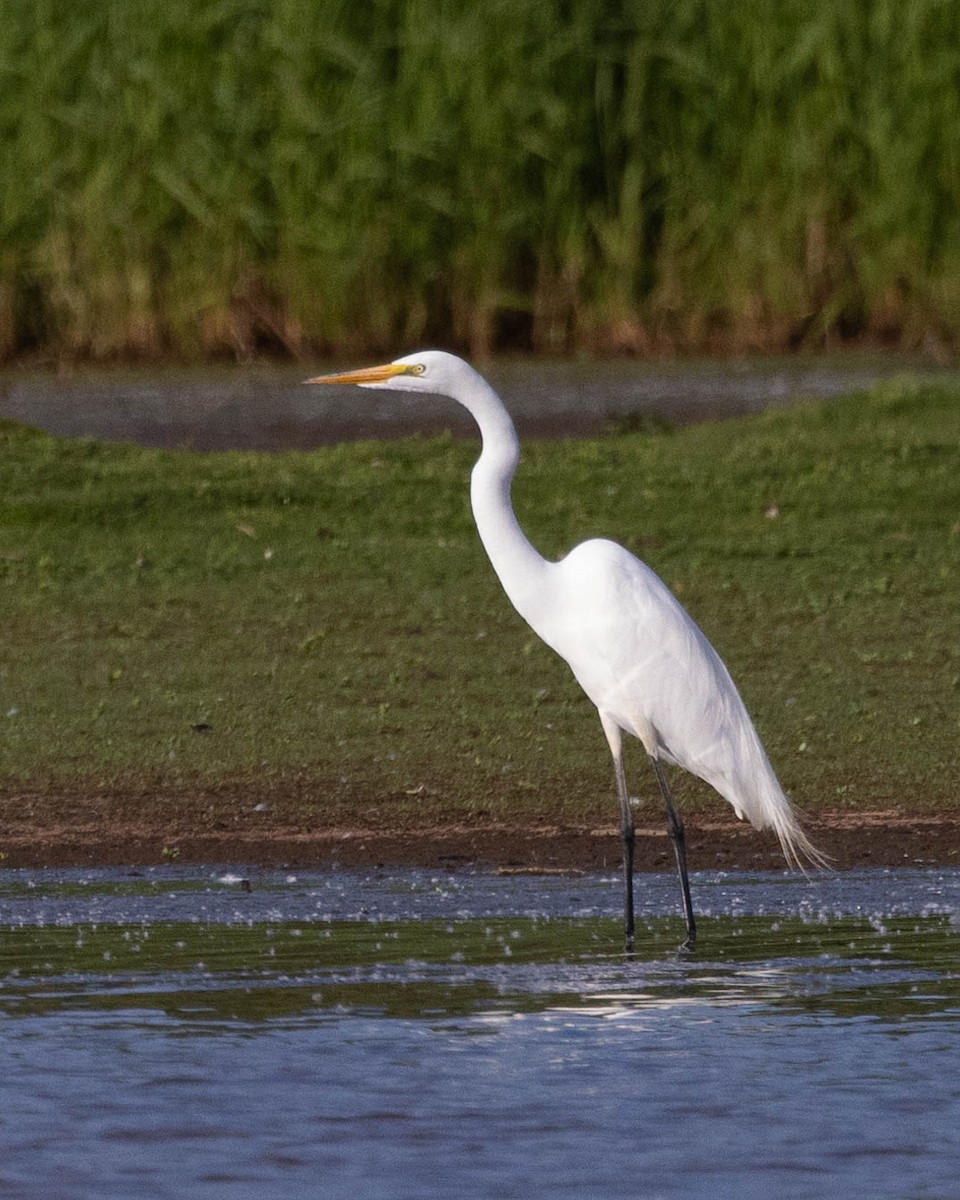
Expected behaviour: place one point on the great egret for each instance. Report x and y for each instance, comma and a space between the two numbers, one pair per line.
631, 646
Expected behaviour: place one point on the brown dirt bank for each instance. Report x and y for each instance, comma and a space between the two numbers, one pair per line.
35, 834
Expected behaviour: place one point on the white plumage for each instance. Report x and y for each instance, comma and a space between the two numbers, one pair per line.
633, 648
648, 668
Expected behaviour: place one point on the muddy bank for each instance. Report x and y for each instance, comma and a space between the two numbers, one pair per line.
852, 839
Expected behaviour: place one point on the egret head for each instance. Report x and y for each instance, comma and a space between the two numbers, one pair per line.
431, 371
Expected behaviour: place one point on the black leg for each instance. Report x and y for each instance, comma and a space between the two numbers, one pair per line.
627, 838
675, 828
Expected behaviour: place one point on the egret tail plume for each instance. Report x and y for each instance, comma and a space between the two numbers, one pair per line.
797, 848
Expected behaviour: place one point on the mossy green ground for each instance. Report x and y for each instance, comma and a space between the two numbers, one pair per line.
324, 628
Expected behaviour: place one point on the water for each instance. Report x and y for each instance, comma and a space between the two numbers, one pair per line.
267, 408
189, 1032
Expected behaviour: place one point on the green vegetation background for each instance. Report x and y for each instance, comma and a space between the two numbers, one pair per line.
197, 177
326, 623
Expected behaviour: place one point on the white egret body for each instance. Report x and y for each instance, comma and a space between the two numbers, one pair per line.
633, 648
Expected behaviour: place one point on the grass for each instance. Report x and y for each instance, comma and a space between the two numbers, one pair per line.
324, 627
198, 177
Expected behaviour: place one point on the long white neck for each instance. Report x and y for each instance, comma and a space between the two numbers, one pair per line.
519, 566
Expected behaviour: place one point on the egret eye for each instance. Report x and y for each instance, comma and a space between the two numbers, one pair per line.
418, 369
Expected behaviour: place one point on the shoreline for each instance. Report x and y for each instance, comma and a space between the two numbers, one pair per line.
850, 839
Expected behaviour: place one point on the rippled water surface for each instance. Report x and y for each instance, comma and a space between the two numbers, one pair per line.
194, 1032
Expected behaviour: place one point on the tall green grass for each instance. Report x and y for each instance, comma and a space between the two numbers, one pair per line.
209, 176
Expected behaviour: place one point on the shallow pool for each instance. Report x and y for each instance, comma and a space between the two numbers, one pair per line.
206, 1032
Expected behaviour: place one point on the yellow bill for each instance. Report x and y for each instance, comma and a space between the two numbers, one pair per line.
366, 374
